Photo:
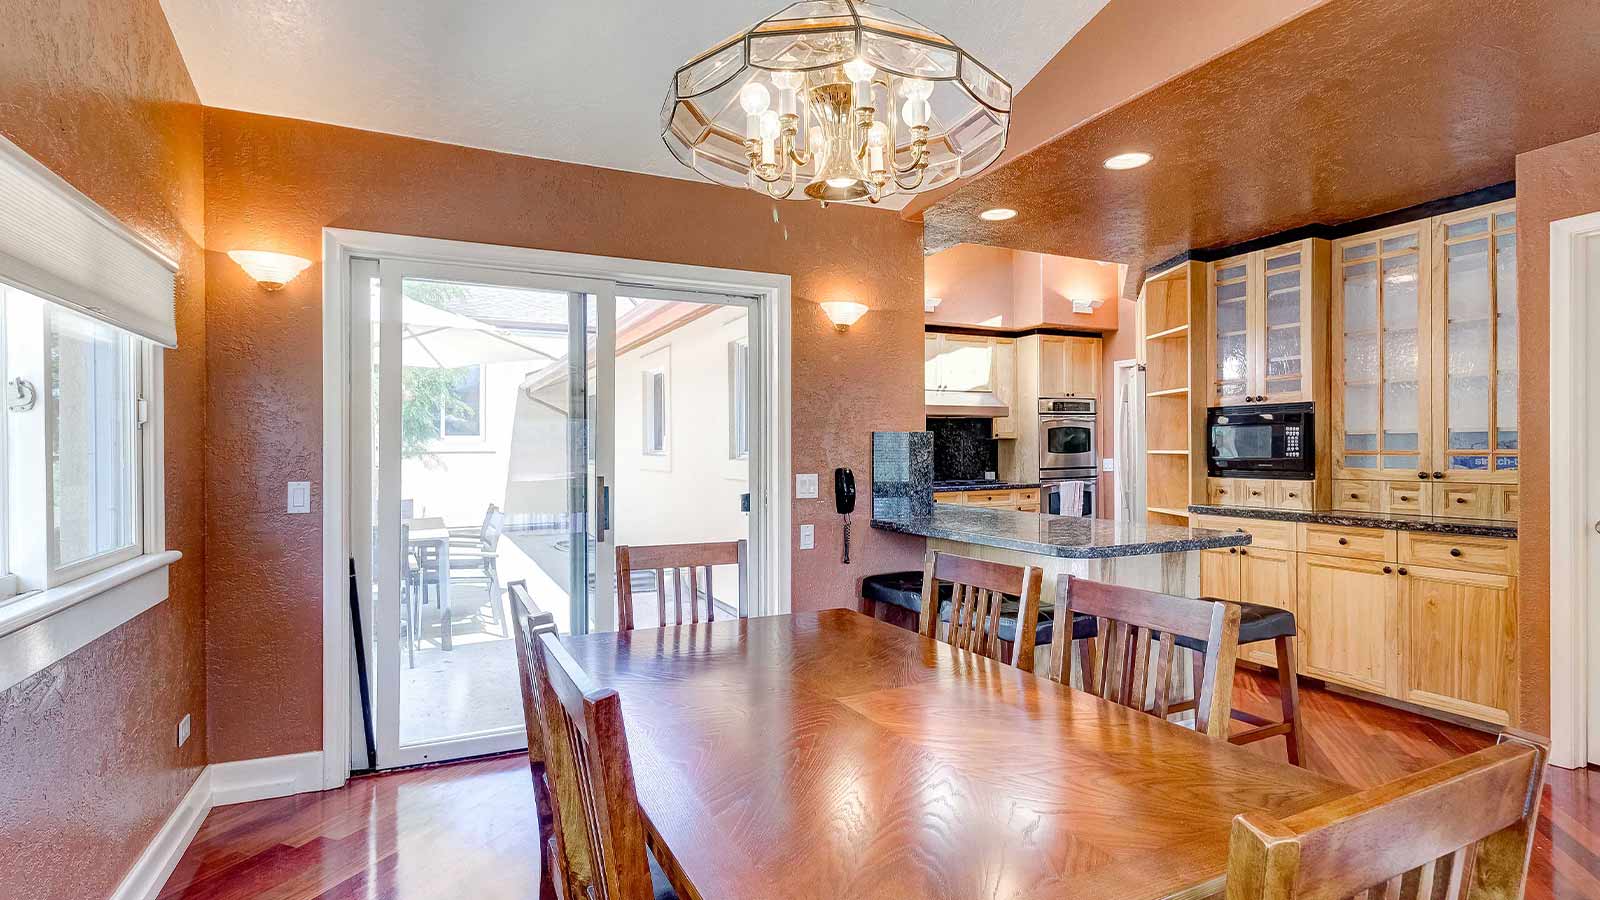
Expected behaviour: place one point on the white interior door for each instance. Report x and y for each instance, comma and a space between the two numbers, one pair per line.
477, 464
1589, 660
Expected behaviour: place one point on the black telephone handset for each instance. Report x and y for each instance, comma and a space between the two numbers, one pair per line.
844, 491
844, 500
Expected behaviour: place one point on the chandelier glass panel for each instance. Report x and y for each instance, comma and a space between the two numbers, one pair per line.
839, 101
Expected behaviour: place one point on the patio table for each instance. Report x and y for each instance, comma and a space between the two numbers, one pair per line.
430, 531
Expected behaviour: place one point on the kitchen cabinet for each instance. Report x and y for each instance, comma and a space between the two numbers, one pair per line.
1069, 366
1416, 616
1349, 621
1019, 499
1425, 361
1004, 381
1267, 314
958, 362
1459, 641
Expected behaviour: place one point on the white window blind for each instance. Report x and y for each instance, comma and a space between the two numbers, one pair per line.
58, 244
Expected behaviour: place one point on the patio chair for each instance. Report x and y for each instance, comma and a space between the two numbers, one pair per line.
474, 558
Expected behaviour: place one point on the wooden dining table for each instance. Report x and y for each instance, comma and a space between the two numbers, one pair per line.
830, 755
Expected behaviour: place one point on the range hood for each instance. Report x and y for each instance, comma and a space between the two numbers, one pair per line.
974, 404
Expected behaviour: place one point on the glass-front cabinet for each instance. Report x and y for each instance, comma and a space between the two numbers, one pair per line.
1263, 343
1425, 350
1477, 344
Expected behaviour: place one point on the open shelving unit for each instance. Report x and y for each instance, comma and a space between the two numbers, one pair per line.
1173, 314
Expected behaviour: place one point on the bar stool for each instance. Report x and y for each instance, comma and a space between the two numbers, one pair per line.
903, 590
1259, 622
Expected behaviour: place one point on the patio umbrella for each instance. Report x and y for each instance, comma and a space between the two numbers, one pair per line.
434, 338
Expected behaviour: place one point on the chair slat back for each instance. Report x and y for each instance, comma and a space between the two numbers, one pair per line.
597, 805
1462, 829
528, 622
681, 560
1135, 625
978, 591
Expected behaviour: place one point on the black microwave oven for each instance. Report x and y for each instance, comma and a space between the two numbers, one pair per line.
1274, 441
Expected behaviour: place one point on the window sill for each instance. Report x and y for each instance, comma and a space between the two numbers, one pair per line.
40, 629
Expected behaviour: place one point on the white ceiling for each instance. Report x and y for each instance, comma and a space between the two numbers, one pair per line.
574, 80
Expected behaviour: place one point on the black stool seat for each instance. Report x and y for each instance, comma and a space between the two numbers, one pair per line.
1082, 626
904, 589
1257, 622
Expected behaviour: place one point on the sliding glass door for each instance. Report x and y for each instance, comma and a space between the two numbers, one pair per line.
484, 392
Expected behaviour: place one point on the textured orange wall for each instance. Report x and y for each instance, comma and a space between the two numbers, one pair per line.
1553, 183
975, 284
96, 90
1000, 288
276, 183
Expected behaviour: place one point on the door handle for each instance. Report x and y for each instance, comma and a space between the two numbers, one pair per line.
602, 523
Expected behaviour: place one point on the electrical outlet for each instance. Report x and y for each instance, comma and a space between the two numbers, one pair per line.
1108, 465
808, 535
805, 487
299, 496
184, 724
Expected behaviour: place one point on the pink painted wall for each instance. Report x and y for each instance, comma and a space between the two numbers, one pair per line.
89, 764
975, 285
994, 287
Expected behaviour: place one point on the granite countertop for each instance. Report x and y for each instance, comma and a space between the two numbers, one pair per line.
1398, 521
1068, 537
945, 488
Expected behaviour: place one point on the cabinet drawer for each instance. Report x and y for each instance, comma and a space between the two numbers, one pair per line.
1255, 492
1505, 503
1463, 501
1356, 496
1272, 535
1407, 497
1291, 494
1354, 543
1023, 498
991, 498
1223, 492
950, 497
1470, 554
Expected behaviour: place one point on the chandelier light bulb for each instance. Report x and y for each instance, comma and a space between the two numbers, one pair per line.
915, 113
769, 125
859, 70
755, 98
916, 89
788, 81
877, 135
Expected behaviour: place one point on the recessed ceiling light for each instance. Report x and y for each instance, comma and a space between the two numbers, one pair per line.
997, 215
1128, 160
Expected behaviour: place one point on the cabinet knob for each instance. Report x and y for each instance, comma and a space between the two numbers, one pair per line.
1293, 495
1402, 570
1423, 475
1355, 496
1387, 570
1438, 476
1255, 493
1344, 542
1461, 499
1404, 499
1233, 549
1455, 551
1244, 552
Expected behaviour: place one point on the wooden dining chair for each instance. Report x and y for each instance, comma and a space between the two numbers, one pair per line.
676, 558
1135, 643
527, 623
600, 845
1462, 829
980, 593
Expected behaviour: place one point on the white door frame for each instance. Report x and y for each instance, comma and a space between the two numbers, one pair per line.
1574, 668
770, 326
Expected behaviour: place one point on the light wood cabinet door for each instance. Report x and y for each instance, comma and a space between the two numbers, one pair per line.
1348, 618
1223, 492
1232, 363
1082, 375
1285, 313
1267, 577
1464, 501
1052, 366
1475, 344
932, 347
1357, 496
1219, 573
1255, 492
1506, 502
1459, 644
1382, 354
1005, 385
966, 363
1292, 494
1407, 497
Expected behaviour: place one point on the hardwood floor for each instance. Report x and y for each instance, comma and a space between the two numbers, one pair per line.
467, 830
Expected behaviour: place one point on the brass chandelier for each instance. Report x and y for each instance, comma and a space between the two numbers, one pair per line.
837, 101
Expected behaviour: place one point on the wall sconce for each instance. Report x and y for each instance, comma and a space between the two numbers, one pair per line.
1085, 307
271, 270
930, 304
843, 313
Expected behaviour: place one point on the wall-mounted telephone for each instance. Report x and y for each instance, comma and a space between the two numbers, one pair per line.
844, 500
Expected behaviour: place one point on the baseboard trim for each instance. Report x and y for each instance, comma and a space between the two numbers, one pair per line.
219, 784
262, 779
149, 874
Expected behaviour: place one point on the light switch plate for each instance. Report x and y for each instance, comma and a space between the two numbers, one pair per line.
1108, 464
184, 724
808, 536
299, 496
805, 487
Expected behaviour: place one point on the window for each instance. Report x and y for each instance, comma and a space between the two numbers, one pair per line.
739, 399
461, 415
73, 479
655, 412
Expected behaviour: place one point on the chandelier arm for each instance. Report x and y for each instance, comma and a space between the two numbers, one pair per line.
922, 174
